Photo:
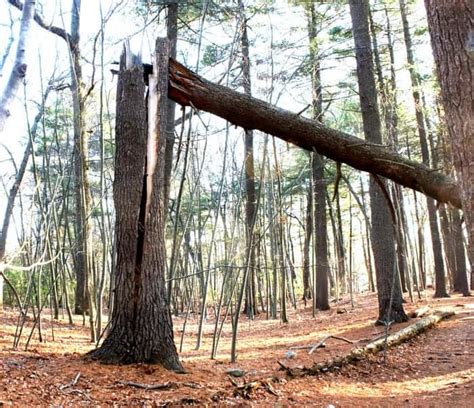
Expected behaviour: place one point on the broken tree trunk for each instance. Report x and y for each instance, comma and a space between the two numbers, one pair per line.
189, 89
141, 329
358, 353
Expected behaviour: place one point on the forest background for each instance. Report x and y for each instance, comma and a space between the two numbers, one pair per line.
62, 230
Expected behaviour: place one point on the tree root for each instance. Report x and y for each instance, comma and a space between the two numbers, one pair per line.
379, 344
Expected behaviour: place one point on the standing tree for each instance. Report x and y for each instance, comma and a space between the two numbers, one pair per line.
382, 234
141, 327
319, 182
451, 26
440, 283
251, 198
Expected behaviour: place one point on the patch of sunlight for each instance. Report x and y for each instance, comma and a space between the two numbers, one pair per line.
396, 388
253, 347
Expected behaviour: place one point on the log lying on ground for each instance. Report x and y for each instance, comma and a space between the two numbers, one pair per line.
189, 89
360, 352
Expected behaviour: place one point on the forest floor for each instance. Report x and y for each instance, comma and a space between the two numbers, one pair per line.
435, 369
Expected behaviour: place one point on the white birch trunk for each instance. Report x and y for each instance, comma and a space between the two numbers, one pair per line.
19, 68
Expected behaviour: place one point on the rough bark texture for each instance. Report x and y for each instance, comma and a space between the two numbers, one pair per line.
382, 229
319, 182
322, 262
451, 26
141, 328
188, 89
460, 278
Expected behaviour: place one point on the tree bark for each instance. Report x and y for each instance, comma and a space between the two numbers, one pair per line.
18, 72
82, 195
189, 89
318, 161
382, 234
141, 326
451, 26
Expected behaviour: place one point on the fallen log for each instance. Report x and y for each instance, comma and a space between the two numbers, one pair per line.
359, 353
189, 89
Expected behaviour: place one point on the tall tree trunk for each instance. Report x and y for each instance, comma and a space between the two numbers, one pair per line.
319, 183
81, 180
141, 327
383, 239
388, 95
460, 282
451, 26
440, 283
250, 205
308, 231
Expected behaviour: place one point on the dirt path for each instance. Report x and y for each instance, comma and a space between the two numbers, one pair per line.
435, 369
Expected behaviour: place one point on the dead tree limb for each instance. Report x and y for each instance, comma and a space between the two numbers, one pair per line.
189, 89
359, 353
323, 341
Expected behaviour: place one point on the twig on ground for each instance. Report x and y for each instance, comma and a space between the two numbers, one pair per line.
327, 338
80, 392
72, 383
165, 386
312, 348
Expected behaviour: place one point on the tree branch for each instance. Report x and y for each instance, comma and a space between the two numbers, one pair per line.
39, 20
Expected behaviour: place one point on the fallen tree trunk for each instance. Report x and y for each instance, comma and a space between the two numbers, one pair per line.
360, 352
189, 89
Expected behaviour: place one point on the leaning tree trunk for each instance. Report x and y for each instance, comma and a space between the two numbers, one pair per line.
189, 89
141, 327
382, 233
451, 26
